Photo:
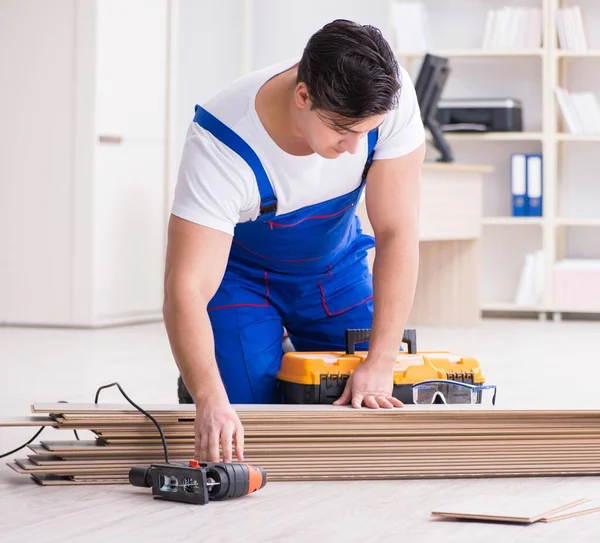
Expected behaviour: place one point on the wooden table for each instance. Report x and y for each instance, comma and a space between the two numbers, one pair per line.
448, 287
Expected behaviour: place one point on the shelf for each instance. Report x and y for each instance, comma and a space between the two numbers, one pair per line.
565, 221
493, 136
592, 53
507, 306
475, 53
513, 221
576, 310
577, 137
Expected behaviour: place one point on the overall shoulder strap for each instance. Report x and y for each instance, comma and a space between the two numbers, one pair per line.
372, 136
268, 201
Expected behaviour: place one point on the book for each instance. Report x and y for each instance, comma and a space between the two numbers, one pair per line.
513, 28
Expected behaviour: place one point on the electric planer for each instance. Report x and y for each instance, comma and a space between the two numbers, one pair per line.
320, 377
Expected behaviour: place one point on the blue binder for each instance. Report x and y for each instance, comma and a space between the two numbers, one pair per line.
535, 184
518, 183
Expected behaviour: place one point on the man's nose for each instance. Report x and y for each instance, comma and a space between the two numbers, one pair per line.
351, 145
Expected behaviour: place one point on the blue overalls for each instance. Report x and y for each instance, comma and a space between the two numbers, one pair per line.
305, 271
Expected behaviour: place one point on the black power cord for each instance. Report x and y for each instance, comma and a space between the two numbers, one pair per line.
24, 445
144, 412
162, 435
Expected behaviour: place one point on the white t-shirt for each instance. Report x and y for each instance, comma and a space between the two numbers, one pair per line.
216, 187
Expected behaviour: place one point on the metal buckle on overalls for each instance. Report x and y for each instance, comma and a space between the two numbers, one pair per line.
268, 208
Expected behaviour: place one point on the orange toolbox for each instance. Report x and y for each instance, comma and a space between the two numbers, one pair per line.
320, 377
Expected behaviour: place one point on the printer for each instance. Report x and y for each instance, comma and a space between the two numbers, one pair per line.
480, 115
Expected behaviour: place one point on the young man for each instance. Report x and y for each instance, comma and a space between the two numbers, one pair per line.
263, 234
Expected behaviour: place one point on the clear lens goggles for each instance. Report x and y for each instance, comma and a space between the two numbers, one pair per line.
453, 392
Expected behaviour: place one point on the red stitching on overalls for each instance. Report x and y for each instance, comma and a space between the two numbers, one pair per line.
275, 259
324, 303
300, 259
280, 225
329, 313
266, 304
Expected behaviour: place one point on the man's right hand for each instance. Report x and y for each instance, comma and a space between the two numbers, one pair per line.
217, 424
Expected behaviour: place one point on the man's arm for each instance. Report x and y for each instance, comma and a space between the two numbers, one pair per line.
392, 203
195, 265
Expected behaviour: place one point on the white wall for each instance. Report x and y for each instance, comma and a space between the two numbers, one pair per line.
82, 160
281, 29
209, 54
36, 136
212, 37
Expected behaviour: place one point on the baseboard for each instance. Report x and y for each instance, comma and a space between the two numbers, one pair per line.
101, 322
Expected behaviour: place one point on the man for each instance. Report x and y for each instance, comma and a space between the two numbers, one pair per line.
263, 234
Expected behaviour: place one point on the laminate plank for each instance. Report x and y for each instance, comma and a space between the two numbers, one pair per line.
326, 411
586, 508
48, 480
25, 421
506, 508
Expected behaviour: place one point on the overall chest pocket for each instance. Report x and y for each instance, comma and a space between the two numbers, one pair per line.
346, 288
295, 220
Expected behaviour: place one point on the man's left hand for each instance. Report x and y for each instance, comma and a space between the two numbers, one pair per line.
372, 385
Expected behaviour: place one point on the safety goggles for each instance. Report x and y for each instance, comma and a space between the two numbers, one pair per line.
452, 392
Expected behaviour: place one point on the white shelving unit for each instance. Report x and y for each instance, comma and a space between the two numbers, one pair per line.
477, 53
570, 225
495, 136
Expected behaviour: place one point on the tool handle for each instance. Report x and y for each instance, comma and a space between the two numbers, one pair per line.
357, 335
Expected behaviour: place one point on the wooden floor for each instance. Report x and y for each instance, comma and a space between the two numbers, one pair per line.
538, 364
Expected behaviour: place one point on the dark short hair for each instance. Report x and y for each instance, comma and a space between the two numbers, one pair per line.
350, 71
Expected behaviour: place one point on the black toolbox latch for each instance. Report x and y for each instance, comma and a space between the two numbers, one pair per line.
332, 386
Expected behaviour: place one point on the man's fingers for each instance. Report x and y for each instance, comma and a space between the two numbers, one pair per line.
371, 402
357, 400
239, 442
395, 402
226, 439
384, 402
213, 446
202, 447
343, 399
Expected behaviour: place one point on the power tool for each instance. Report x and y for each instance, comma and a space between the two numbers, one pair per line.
199, 482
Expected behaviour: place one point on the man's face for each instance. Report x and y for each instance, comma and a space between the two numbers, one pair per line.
329, 140
326, 138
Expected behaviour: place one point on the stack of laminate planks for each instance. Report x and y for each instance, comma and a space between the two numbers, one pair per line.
313, 442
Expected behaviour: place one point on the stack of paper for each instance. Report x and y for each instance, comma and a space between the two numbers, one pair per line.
571, 30
411, 27
513, 28
530, 290
580, 110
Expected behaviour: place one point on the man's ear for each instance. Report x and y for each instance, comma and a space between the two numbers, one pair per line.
301, 96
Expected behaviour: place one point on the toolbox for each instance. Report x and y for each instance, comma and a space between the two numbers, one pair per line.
320, 377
